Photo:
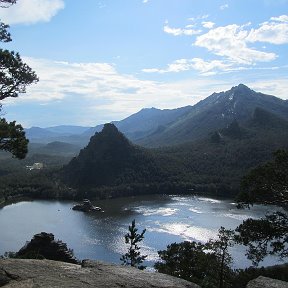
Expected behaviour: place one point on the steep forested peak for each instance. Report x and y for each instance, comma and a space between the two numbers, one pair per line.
110, 159
109, 135
110, 129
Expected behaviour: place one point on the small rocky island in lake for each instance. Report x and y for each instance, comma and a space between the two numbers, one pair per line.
86, 206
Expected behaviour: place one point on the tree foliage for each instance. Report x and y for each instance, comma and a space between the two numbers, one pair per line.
187, 260
219, 248
15, 76
44, 246
7, 3
12, 138
133, 257
265, 236
267, 183
205, 264
5, 36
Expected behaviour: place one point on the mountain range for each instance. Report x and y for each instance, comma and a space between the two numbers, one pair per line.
207, 147
157, 128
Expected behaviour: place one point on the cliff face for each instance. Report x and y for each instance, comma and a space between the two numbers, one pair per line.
26, 273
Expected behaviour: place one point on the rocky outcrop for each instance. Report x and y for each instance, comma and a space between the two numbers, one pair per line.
29, 273
44, 246
86, 206
264, 282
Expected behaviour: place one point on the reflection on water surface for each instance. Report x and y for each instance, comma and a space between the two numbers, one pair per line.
101, 235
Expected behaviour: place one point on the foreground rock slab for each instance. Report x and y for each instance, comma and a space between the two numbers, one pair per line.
264, 282
26, 273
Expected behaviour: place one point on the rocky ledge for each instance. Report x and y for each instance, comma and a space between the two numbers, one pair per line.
264, 282
27, 273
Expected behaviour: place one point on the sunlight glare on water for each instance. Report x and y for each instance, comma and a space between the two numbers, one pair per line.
101, 235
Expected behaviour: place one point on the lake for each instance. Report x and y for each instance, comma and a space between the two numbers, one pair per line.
100, 235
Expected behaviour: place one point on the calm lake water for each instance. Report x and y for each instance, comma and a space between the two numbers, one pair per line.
100, 235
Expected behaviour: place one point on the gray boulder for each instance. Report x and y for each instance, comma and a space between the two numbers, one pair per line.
265, 282
27, 273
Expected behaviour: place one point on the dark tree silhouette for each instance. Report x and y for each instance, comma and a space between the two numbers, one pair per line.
15, 76
207, 265
7, 3
268, 183
133, 257
220, 248
265, 236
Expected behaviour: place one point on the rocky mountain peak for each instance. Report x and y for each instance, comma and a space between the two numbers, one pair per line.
110, 135
109, 128
241, 87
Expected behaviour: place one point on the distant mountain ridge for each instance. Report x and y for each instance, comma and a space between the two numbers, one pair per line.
153, 127
63, 133
215, 112
145, 122
110, 165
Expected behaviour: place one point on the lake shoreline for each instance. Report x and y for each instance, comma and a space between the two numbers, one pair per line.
167, 218
18, 198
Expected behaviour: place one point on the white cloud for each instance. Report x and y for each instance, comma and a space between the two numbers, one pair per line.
99, 91
199, 17
276, 87
274, 32
204, 67
282, 18
179, 31
94, 93
231, 42
208, 24
100, 88
225, 6
145, 1
31, 11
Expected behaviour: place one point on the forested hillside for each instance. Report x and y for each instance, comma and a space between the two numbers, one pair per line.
213, 165
230, 142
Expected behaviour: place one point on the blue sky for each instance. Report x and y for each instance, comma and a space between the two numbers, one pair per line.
100, 61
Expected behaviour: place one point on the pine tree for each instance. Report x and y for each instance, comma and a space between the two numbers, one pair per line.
15, 76
133, 257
